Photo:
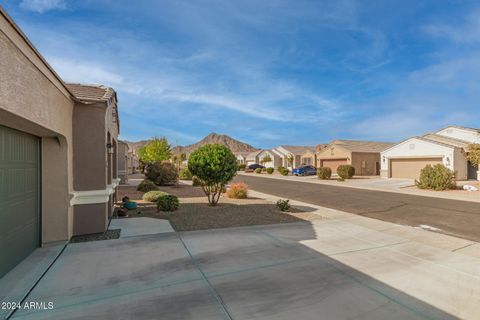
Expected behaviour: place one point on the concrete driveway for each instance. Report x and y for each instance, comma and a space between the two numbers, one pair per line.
333, 269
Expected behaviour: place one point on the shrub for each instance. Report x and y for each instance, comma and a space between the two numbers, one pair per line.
345, 171
280, 169
270, 170
324, 173
238, 191
185, 174
284, 171
241, 167
437, 177
264, 170
215, 165
258, 170
283, 205
162, 173
167, 202
146, 185
196, 182
152, 196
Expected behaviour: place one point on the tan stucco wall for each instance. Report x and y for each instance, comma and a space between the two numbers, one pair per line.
334, 152
370, 163
34, 100
460, 164
90, 158
90, 218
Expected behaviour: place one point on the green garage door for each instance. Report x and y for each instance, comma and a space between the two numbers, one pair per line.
19, 197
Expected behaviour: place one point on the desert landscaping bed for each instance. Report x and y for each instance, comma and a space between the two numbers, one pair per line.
195, 213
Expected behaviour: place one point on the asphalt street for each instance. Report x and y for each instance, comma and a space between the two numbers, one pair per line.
453, 217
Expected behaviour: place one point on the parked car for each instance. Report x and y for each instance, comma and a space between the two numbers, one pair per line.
255, 166
305, 171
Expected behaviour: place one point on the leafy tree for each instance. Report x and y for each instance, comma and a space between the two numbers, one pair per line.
215, 165
474, 154
157, 150
290, 159
266, 159
178, 159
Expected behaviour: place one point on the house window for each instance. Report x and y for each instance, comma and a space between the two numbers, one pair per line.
364, 164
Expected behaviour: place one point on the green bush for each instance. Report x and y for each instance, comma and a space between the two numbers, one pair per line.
162, 173
146, 185
437, 177
270, 170
167, 202
345, 171
152, 196
241, 167
324, 173
215, 165
185, 174
258, 170
283, 205
284, 171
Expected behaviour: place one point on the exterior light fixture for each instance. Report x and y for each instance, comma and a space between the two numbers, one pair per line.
383, 159
109, 148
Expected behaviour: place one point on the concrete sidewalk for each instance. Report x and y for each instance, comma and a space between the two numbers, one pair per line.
402, 186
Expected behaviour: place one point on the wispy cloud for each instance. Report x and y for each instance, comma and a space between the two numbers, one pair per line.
41, 6
466, 32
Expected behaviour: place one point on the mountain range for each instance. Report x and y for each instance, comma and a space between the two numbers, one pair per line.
233, 144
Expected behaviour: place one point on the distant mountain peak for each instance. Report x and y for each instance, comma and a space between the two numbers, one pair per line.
212, 138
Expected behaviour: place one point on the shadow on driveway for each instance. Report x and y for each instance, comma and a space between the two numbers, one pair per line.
265, 272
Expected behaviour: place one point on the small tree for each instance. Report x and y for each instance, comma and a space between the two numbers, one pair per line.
215, 165
157, 150
178, 159
474, 155
266, 159
290, 159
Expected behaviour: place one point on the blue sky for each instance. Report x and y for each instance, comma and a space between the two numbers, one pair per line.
268, 72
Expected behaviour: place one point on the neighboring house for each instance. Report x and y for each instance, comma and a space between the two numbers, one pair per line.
123, 161
363, 155
252, 157
309, 157
275, 160
284, 152
133, 164
58, 152
448, 146
241, 157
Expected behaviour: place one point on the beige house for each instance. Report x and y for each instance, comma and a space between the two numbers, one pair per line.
293, 152
122, 160
364, 156
252, 157
58, 142
275, 160
241, 157
309, 157
448, 146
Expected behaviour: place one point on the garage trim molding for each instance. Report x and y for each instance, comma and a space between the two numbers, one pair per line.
94, 196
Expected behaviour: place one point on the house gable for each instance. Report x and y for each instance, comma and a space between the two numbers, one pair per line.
465, 134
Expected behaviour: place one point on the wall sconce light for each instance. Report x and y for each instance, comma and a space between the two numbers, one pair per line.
109, 148
447, 160
383, 159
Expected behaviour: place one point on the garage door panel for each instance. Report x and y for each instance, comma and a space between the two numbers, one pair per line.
333, 163
410, 168
19, 197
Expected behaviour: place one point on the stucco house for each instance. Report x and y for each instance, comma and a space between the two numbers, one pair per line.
285, 151
252, 157
448, 146
241, 157
309, 157
58, 149
133, 163
275, 160
363, 155
122, 161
